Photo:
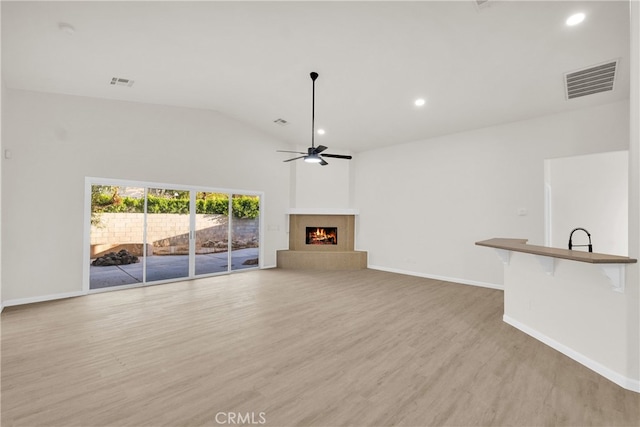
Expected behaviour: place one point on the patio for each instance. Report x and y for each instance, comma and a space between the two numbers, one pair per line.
161, 267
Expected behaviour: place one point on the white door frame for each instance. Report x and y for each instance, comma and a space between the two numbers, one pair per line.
90, 181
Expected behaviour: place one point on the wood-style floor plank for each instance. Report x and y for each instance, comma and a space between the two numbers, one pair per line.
305, 348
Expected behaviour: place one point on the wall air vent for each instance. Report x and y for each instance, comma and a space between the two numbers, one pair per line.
281, 122
599, 78
119, 81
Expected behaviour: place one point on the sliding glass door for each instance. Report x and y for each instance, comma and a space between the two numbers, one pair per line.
212, 233
116, 235
245, 231
141, 233
168, 234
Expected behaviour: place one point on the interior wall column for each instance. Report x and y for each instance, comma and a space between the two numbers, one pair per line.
633, 271
2, 91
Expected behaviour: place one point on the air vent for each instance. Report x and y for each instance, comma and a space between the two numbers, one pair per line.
119, 81
281, 122
599, 78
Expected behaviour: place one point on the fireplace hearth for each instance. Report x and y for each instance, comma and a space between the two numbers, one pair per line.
321, 236
314, 242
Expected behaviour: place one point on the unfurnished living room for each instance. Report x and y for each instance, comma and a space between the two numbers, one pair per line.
328, 213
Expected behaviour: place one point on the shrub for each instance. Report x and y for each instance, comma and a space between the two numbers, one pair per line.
243, 206
216, 204
246, 207
157, 204
133, 205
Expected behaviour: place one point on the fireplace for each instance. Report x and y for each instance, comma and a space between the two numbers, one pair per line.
322, 241
321, 236
321, 233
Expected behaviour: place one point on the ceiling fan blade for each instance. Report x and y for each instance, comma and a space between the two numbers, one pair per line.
337, 156
295, 158
286, 151
323, 163
320, 148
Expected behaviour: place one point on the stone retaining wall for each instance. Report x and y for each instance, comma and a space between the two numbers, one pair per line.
169, 233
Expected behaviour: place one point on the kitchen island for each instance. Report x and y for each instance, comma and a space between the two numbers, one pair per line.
573, 301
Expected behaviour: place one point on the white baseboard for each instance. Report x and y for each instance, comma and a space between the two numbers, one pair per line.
43, 298
435, 277
621, 380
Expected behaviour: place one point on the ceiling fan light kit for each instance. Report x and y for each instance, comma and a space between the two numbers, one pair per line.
313, 153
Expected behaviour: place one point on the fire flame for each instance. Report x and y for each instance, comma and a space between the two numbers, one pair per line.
321, 236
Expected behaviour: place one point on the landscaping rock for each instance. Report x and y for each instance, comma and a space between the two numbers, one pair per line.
112, 258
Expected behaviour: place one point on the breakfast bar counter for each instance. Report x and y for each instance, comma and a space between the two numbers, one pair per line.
575, 301
520, 245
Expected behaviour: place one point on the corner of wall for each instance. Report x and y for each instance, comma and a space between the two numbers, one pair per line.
293, 189
2, 92
321, 186
632, 286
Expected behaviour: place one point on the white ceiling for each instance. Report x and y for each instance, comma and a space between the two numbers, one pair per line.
476, 67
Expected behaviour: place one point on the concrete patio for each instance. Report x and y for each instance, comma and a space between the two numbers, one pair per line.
164, 267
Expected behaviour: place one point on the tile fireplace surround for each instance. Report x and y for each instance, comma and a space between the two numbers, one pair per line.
341, 256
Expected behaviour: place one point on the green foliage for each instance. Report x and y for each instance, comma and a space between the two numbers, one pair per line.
157, 204
246, 206
218, 203
133, 205
101, 200
105, 199
212, 203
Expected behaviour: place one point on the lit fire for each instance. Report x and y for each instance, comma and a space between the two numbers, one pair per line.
322, 236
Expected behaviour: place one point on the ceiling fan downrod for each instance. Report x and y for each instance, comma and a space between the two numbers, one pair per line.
314, 76
313, 154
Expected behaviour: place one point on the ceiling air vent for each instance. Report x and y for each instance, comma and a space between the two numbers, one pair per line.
599, 78
281, 122
119, 81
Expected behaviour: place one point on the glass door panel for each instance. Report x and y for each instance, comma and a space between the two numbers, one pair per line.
168, 234
116, 236
212, 233
142, 233
245, 231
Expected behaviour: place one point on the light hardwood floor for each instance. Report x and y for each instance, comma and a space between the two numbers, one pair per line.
359, 348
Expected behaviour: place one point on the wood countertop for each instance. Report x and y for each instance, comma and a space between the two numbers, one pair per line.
520, 245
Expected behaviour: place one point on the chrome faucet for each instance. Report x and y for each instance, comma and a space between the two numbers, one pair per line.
571, 245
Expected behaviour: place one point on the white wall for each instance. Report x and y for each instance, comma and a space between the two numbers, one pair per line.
57, 140
633, 271
574, 310
591, 192
2, 90
424, 204
321, 186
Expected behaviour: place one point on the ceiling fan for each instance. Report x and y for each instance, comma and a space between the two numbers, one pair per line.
314, 154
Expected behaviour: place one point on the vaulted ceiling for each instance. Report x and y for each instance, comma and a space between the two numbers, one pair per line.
474, 66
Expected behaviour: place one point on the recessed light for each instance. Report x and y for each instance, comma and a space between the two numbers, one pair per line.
419, 102
320, 131
575, 19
